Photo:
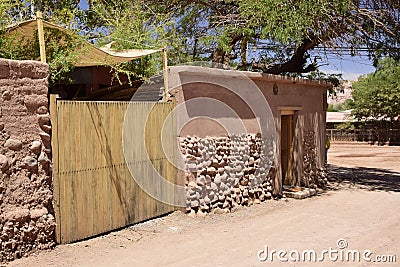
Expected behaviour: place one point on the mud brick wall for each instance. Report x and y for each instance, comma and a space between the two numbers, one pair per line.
222, 173
26, 214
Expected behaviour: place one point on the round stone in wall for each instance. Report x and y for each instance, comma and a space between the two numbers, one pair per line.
29, 163
4, 163
42, 110
36, 147
6, 95
13, 144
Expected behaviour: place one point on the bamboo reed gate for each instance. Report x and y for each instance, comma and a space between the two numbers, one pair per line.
94, 191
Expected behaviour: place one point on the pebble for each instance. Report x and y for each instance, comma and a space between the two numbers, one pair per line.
192, 184
36, 147
218, 211
192, 167
208, 179
13, 144
43, 159
6, 95
213, 186
201, 180
201, 214
43, 120
46, 139
211, 171
29, 163
217, 179
4, 163
194, 203
42, 110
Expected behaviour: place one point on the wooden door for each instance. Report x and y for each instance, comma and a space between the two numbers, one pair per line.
287, 133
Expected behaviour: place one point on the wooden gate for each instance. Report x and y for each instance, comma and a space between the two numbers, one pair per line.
94, 191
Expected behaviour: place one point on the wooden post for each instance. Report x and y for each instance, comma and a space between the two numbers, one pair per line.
54, 152
42, 47
165, 69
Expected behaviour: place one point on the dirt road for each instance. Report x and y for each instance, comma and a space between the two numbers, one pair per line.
362, 209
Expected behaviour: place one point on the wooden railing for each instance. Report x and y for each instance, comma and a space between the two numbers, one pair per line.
380, 136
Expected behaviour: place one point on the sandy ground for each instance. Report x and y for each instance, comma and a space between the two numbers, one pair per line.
361, 207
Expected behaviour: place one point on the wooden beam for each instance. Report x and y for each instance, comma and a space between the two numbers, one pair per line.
165, 69
296, 108
42, 46
54, 147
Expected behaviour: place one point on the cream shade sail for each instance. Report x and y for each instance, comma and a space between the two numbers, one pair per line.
88, 55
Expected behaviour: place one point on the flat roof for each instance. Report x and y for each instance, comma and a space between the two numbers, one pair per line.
343, 116
227, 73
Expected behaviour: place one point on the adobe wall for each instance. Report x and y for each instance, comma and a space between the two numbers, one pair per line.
26, 213
231, 90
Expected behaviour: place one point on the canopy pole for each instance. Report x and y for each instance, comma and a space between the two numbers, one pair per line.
165, 69
42, 47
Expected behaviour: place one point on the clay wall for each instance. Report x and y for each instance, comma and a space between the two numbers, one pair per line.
26, 212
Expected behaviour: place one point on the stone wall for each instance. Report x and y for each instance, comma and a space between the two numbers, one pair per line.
313, 176
223, 173
26, 214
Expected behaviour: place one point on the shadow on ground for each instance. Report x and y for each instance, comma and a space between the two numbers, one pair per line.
372, 179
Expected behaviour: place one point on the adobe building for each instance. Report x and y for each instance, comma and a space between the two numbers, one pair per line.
259, 114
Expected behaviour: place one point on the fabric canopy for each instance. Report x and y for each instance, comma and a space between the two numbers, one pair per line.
88, 55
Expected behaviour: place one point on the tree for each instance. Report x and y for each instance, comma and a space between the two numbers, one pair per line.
61, 48
279, 35
377, 95
137, 24
381, 29
271, 36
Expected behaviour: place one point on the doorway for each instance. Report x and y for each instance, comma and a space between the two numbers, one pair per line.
287, 134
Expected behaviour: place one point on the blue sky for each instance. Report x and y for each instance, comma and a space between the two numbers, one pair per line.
83, 4
349, 67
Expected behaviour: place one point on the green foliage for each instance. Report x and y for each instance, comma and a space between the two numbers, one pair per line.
239, 26
61, 47
275, 35
335, 107
347, 125
348, 104
135, 25
61, 51
335, 79
285, 21
377, 96
339, 107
